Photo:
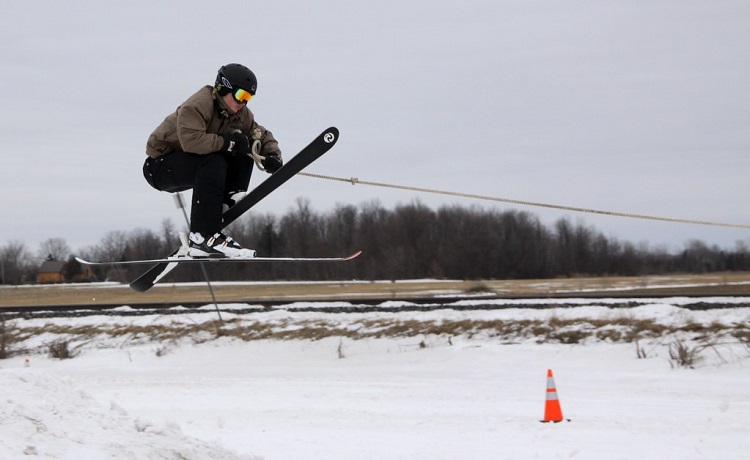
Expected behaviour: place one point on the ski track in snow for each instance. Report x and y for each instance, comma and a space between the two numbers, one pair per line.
379, 398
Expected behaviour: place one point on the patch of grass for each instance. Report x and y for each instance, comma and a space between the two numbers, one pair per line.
569, 336
610, 335
480, 288
7, 339
683, 355
735, 283
555, 329
692, 326
61, 349
742, 335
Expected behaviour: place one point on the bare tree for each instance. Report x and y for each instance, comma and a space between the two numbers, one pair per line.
170, 235
16, 263
113, 246
54, 249
410, 241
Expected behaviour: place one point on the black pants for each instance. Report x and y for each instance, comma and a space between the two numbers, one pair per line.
212, 177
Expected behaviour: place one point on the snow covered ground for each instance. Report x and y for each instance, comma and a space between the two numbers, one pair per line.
403, 397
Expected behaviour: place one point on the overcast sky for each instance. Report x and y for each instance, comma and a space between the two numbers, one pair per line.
629, 106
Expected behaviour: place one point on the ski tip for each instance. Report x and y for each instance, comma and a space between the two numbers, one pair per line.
353, 256
331, 135
140, 287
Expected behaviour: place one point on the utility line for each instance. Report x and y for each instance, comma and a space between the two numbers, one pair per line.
356, 181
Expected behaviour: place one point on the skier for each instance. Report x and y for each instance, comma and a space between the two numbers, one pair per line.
209, 144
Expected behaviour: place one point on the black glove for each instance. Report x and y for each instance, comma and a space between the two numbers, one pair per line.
235, 143
272, 163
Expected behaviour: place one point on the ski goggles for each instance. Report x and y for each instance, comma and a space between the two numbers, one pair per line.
242, 96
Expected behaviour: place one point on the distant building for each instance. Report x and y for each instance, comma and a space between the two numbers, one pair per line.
51, 271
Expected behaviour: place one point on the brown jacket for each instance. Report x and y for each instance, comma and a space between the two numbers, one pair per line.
196, 127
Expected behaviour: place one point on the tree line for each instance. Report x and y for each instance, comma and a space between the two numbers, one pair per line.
407, 242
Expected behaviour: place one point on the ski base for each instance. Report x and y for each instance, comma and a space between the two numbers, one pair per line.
187, 259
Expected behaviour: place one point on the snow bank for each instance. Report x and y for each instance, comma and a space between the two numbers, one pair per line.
44, 415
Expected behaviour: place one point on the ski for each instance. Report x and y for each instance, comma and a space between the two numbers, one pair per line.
307, 155
187, 259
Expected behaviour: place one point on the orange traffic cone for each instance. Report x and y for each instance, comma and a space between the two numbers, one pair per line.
552, 410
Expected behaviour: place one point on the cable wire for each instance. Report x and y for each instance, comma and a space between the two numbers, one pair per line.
357, 181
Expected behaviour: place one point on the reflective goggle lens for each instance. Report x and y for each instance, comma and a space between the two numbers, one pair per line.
242, 96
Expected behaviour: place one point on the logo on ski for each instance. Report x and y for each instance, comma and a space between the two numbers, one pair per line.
329, 137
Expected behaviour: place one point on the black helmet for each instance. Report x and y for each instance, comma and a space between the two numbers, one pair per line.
232, 77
